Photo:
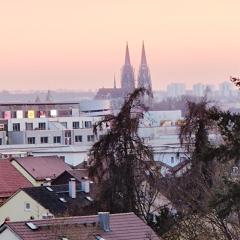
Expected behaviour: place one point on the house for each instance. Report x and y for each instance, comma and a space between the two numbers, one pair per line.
10, 180
49, 201
104, 226
38, 169
64, 178
181, 168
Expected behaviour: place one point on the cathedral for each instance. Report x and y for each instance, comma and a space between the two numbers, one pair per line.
128, 79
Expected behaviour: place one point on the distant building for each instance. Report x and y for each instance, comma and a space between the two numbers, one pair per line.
144, 78
226, 89
199, 89
127, 76
128, 80
176, 89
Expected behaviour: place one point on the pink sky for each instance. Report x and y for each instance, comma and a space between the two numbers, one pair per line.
76, 44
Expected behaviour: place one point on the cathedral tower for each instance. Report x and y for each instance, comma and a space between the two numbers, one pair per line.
144, 77
127, 76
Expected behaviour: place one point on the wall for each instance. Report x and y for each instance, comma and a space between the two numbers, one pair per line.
14, 208
8, 235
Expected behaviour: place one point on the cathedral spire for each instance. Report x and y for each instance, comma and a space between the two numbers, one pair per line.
143, 58
127, 56
144, 77
127, 74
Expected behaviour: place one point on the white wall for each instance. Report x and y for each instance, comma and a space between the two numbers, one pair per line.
8, 235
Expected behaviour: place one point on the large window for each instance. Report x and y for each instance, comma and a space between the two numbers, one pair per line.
76, 125
90, 138
16, 127
31, 140
56, 139
44, 139
78, 138
42, 126
88, 124
29, 126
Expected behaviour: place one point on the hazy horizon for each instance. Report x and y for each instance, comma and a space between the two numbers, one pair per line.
80, 44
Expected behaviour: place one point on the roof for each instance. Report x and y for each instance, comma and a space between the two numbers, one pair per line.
43, 167
79, 173
64, 177
37, 104
108, 93
10, 179
180, 166
124, 226
51, 199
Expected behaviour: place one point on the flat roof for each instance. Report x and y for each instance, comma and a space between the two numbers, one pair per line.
42, 103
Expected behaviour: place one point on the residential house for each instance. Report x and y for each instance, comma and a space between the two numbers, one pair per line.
49, 201
10, 180
39, 169
104, 226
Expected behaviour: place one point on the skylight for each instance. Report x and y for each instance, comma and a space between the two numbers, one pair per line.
49, 189
32, 226
62, 199
89, 199
98, 237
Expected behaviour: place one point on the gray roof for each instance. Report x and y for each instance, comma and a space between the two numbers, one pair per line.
51, 200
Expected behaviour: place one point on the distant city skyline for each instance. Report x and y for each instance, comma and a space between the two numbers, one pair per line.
80, 44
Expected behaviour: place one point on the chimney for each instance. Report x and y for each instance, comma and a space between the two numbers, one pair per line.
47, 182
72, 187
104, 220
85, 185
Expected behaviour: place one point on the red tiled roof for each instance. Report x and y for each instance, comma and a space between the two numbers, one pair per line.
10, 179
43, 167
124, 226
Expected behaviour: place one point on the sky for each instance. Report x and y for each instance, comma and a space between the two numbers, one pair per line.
80, 44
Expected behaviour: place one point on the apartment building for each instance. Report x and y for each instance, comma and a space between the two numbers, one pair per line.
50, 123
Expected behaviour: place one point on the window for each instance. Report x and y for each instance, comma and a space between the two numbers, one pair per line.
14, 114
88, 124
64, 124
29, 126
76, 125
31, 140
47, 216
0, 141
90, 138
56, 139
27, 206
68, 134
44, 139
16, 127
78, 138
172, 160
42, 126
